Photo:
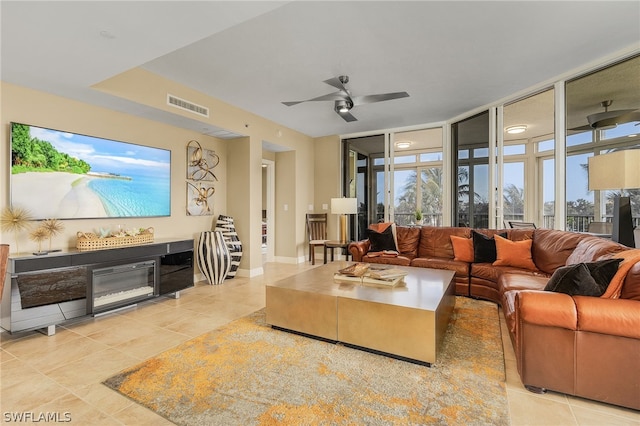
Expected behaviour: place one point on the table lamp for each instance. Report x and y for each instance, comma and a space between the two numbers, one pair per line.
617, 170
343, 207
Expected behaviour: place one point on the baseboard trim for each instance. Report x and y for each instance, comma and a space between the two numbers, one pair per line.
250, 273
289, 260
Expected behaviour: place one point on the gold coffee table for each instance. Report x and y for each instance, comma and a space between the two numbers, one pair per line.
408, 321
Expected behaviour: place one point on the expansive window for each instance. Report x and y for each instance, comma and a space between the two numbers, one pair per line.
397, 186
471, 148
417, 176
546, 198
528, 154
418, 189
514, 191
616, 90
525, 184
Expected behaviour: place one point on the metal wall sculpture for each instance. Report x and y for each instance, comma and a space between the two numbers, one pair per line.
200, 175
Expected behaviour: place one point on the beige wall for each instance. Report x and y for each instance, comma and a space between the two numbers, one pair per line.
244, 201
285, 208
327, 174
146, 88
238, 190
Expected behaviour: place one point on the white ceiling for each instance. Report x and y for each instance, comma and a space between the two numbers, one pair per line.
451, 57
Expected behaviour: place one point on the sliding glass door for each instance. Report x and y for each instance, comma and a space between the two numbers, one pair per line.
470, 139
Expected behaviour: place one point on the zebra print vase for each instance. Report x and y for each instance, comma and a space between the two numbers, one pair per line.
214, 258
228, 229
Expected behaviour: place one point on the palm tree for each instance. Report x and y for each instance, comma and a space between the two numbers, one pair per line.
513, 202
431, 182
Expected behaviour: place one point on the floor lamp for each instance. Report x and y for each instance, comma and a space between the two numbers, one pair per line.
617, 170
344, 207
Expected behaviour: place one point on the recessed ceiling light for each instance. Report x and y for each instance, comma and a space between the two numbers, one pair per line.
403, 144
514, 130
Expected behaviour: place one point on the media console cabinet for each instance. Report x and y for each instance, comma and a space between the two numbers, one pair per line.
43, 291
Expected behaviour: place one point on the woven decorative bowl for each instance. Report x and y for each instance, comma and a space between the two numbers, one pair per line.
90, 241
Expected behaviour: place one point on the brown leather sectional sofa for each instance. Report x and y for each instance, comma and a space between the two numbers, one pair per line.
578, 345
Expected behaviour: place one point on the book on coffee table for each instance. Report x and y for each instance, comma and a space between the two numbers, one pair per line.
386, 282
367, 279
387, 274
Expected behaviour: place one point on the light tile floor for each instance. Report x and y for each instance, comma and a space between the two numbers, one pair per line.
63, 373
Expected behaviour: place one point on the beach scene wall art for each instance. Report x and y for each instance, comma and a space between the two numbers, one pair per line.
63, 175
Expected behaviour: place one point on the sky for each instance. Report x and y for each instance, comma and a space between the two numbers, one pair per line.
106, 155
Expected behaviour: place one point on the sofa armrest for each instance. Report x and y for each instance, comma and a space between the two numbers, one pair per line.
358, 249
546, 308
618, 317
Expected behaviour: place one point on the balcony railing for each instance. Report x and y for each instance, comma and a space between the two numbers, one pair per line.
575, 223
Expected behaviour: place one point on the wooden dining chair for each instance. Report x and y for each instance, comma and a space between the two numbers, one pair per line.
316, 232
520, 224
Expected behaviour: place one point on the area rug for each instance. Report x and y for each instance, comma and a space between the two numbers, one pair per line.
247, 373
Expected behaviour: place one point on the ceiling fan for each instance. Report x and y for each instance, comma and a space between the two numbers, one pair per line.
343, 101
610, 119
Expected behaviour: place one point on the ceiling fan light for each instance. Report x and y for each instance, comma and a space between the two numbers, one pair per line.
343, 106
514, 130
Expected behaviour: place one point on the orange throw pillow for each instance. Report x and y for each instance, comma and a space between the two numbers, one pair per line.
514, 253
462, 248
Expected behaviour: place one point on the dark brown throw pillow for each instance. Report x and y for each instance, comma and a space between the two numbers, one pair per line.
484, 248
381, 241
584, 279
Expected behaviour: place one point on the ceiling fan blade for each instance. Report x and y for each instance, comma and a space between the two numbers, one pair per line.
346, 116
585, 128
369, 99
624, 116
335, 96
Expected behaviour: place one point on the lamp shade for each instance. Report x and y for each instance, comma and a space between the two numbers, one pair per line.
615, 170
344, 205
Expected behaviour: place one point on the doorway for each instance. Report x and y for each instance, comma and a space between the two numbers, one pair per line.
268, 210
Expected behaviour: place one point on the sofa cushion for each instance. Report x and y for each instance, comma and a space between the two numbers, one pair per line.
551, 248
491, 273
460, 268
462, 249
583, 279
590, 249
508, 282
629, 260
382, 241
484, 247
408, 239
519, 234
513, 253
385, 260
435, 241
631, 286
510, 285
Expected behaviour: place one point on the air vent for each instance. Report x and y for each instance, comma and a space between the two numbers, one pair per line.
187, 106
